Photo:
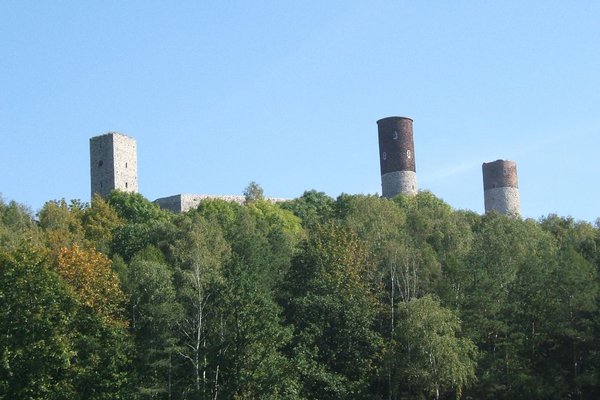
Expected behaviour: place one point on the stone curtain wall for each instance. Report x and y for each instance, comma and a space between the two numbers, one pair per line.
180, 203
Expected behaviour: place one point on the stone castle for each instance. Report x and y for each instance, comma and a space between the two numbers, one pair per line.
399, 173
501, 187
113, 165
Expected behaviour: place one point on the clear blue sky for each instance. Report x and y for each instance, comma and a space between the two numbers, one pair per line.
287, 93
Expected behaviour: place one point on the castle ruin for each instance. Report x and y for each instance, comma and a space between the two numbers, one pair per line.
397, 156
113, 164
181, 203
501, 187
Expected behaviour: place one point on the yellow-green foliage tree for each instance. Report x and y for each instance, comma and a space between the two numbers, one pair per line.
61, 223
88, 272
102, 344
100, 221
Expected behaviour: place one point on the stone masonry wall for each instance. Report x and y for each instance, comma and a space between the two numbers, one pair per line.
125, 163
181, 203
394, 183
101, 165
504, 200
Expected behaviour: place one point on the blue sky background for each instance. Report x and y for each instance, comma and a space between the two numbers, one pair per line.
287, 93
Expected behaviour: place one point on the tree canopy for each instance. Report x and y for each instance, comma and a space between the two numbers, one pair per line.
358, 297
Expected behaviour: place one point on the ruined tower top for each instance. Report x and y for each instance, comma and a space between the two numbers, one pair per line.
500, 173
501, 187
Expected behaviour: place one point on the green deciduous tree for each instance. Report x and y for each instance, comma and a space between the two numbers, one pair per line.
263, 240
16, 226
102, 345
433, 359
337, 349
61, 223
253, 337
154, 315
312, 208
37, 347
100, 221
199, 255
253, 192
135, 208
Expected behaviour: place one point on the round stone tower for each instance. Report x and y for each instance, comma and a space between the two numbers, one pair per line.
397, 156
501, 187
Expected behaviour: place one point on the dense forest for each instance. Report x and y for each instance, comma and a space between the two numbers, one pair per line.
358, 297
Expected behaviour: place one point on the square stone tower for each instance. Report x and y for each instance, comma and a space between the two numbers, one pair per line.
113, 163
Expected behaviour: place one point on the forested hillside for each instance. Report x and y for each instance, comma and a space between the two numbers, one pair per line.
357, 297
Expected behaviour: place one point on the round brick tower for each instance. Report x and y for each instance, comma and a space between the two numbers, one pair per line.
397, 156
501, 187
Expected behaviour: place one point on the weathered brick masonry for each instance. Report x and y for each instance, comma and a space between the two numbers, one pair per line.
397, 156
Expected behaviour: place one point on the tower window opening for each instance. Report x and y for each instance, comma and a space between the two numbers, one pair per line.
101, 184
100, 163
125, 185
125, 165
